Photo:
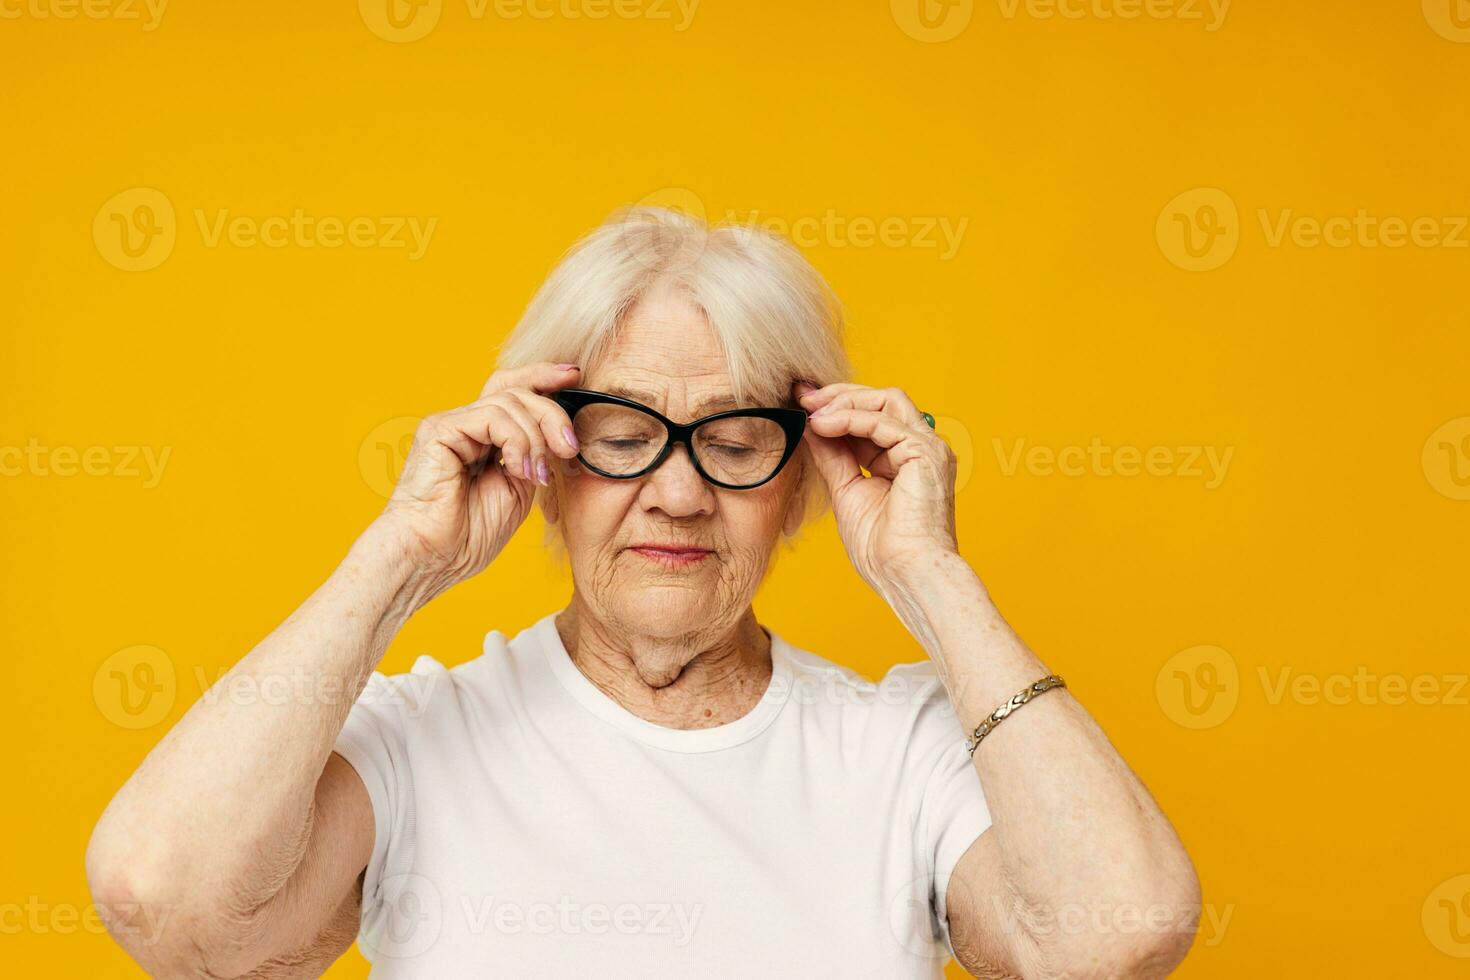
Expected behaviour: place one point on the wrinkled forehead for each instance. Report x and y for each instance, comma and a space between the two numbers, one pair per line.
669, 360
666, 355
680, 409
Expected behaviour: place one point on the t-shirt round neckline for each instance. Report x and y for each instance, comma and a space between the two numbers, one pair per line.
742, 729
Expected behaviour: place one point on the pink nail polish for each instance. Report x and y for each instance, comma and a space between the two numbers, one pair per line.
571, 437
542, 473
526, 467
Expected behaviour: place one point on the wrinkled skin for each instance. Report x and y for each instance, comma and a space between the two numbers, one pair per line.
661, 618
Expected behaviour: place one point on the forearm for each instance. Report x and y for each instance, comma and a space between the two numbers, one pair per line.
1076, 831
217, 816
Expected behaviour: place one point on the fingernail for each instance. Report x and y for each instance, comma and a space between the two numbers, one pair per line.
571, 438
566, 367
542, 473
526, 467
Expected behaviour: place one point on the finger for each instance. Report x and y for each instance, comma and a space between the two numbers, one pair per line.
534, 465
437, 434
551, 419
474, 431
543, 376
833, 459
893, 438
886, 464
876, 427
891, 401
817, 397
813, 399
802, 387
872, 458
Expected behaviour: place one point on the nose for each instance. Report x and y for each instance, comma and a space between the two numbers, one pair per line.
676, 488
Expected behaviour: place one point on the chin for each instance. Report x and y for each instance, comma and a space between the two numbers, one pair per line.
670, 612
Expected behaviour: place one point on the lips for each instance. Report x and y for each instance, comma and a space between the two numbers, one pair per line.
673, 549
672, 555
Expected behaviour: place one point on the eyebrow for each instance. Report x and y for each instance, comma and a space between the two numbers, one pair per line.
705, 406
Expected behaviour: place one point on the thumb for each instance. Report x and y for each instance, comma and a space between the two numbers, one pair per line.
833, 458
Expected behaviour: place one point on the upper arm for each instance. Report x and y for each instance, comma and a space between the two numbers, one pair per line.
986, 924
313, 919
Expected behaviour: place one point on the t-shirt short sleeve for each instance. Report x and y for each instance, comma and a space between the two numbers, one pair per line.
952, 810
375, 741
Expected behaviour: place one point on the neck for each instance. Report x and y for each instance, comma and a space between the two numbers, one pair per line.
694, 680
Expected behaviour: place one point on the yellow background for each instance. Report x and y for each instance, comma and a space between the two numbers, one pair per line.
1335, 541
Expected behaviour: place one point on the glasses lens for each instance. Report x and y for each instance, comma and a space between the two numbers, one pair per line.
741, 451
618, 440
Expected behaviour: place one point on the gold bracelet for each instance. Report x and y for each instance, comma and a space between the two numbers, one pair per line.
999, 714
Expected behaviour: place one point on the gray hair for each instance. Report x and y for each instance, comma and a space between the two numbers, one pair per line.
774, 316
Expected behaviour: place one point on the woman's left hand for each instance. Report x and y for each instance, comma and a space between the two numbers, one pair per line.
902, 514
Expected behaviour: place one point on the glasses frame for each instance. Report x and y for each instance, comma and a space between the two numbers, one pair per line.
791, 420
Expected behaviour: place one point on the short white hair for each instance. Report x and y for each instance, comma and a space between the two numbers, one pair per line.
774, 316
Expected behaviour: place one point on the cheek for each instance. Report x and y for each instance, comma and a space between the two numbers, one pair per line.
753, 519
592, 511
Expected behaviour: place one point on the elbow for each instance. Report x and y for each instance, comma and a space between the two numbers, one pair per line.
1144, 935
141, 906
1157, 918
1153, 933
1148, 953
1178, 902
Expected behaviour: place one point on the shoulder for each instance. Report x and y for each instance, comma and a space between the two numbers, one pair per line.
431, 687
908, 703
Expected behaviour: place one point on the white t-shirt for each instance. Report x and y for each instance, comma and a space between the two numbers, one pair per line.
527, 825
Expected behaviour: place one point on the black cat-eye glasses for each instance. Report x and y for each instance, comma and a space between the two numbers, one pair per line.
738, 450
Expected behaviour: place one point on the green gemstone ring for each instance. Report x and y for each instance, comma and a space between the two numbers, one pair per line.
928, 418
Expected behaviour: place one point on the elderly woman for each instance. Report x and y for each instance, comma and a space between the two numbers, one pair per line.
649, 782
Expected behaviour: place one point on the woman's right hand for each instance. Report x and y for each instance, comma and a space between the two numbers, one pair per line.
456, 505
